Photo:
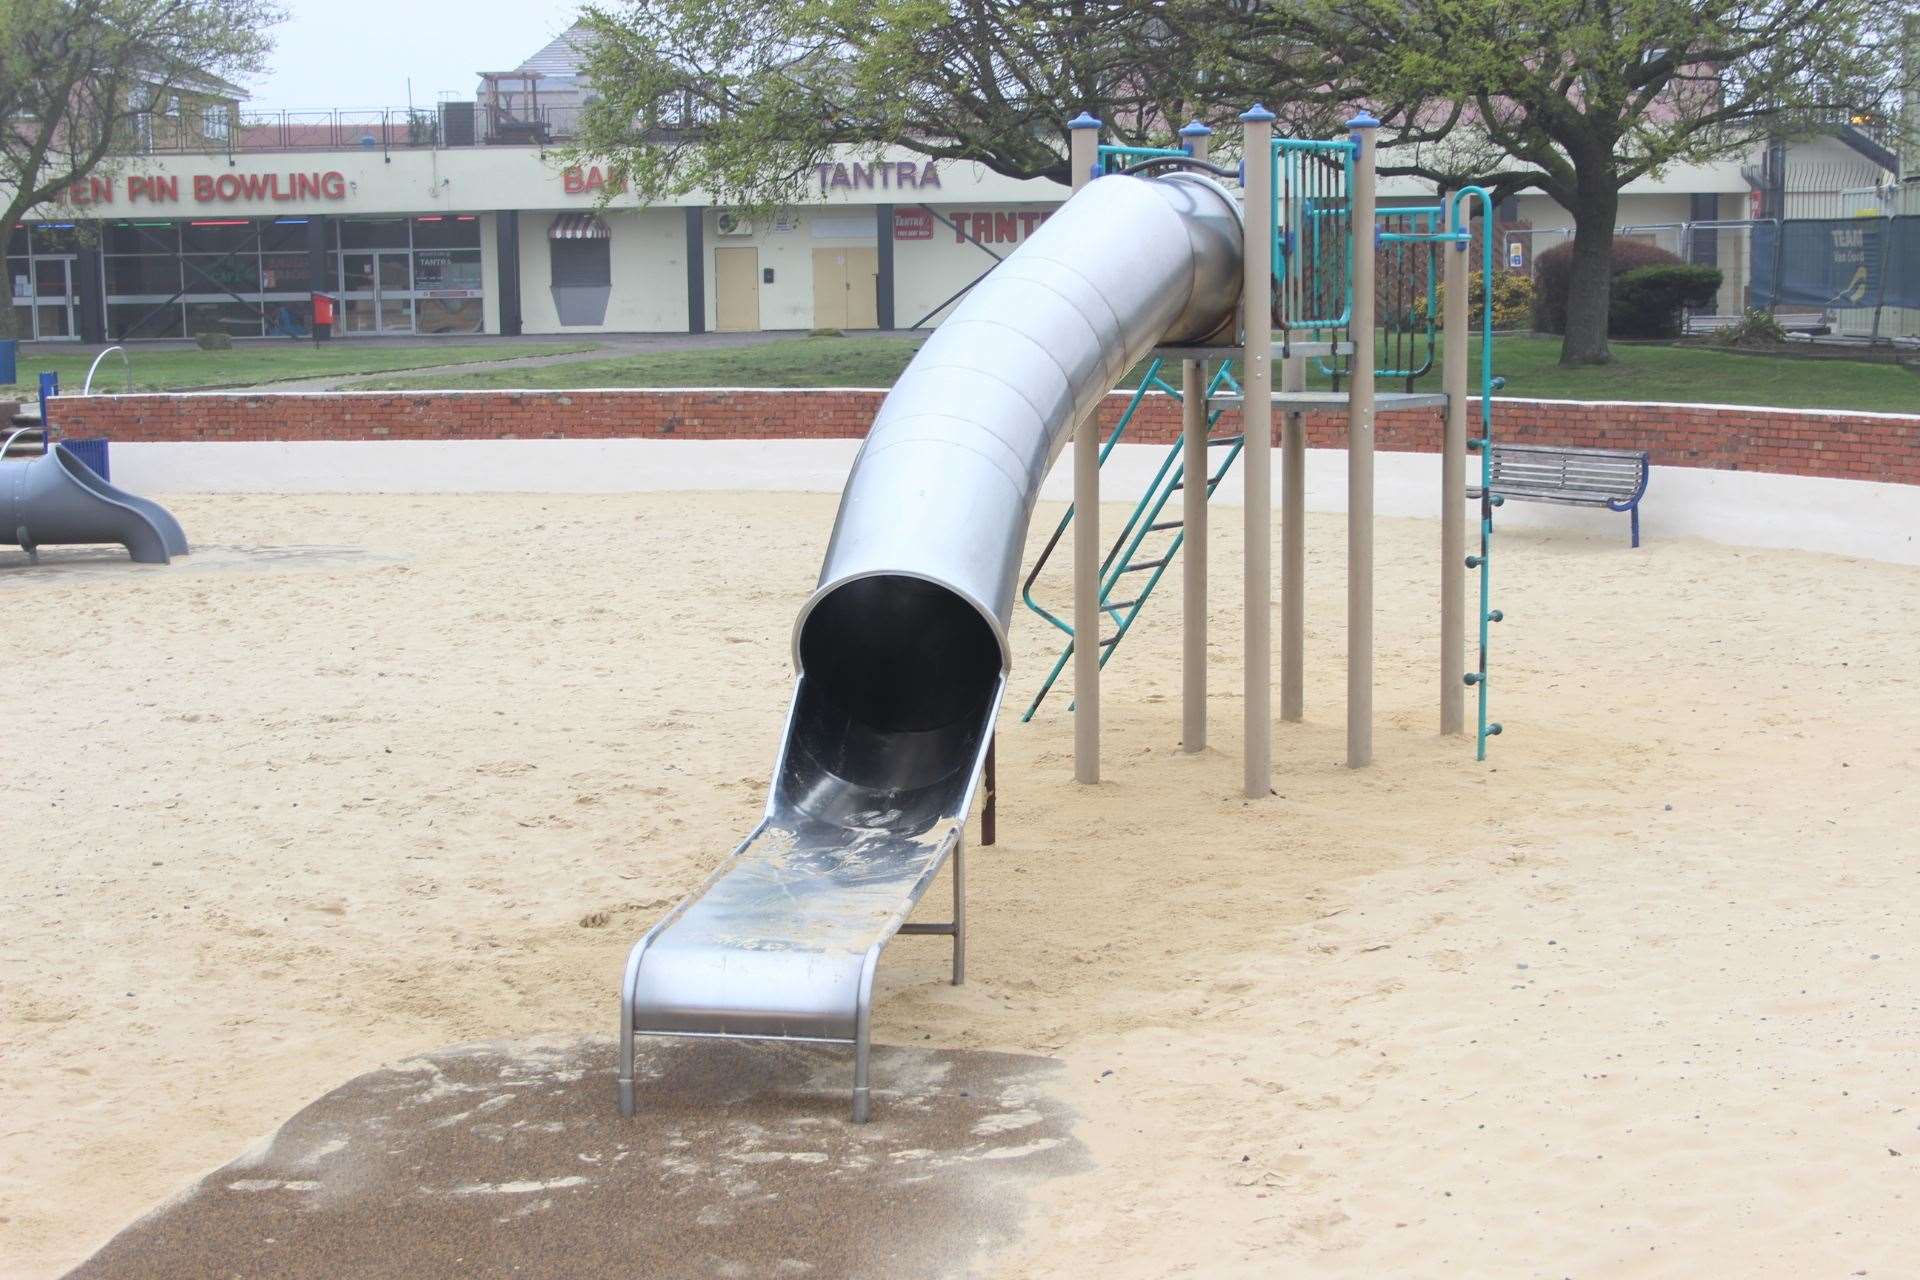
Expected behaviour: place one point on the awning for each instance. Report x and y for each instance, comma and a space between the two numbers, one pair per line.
578, 226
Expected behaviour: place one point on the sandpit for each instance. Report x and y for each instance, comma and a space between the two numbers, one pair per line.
370, 776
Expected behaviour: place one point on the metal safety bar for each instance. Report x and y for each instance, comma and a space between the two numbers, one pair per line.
1105, 153
1311, 181
1408, 315
86, 388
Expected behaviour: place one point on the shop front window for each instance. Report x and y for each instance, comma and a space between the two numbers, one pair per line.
251, 276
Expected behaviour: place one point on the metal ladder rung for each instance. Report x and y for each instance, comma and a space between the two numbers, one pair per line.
1165, 524
1124, 604
1109, 642
1234, 439
1146, 564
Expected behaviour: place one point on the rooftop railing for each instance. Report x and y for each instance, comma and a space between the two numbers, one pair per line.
452, 124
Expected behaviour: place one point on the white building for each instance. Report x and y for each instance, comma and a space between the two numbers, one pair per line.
465, 220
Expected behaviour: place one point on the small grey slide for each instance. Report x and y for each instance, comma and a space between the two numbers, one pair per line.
55, 499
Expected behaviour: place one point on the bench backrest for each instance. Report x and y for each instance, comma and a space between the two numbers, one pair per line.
1543, 467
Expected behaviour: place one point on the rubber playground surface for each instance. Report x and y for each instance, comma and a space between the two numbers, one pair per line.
369, 779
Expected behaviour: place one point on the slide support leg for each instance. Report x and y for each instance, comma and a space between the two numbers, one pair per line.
959, 912
863, 1037
989, 812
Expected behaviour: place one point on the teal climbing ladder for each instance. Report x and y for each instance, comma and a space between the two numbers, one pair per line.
1482, 443
1148, 541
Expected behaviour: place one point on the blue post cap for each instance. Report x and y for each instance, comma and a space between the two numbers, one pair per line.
1257, 114
1085, 120
1364, 120
1194, 129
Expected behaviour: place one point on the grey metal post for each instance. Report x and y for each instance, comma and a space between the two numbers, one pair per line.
1293, 546
990, 811
1453, 479
1085, 130
1360, 456
1196, 468
1256, 421
960, 909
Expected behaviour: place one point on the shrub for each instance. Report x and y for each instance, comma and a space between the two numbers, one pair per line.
1756, 329
1513, 300
1552, 272
1647, 300
213, 340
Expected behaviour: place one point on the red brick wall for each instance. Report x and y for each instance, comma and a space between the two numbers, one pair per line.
1845, 445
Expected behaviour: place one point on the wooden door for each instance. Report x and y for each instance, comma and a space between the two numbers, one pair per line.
863, 288
736, 290
829, 288
845, 283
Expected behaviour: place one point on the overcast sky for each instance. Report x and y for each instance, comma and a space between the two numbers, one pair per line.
360, 53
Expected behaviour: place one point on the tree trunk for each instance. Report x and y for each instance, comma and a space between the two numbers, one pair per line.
1590, 280
8, 317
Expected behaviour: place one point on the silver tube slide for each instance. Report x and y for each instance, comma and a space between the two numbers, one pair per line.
902, 648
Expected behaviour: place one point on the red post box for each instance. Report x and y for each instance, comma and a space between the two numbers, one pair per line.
322, 317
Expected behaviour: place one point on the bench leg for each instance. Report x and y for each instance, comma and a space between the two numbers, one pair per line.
1633, 513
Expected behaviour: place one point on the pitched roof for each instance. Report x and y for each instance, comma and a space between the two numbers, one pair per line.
561, 56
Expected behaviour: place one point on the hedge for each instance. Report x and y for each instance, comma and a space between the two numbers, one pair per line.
1553, 269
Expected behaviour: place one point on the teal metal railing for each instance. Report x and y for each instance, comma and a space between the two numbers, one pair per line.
1312, 232
1106, 154
1408, 276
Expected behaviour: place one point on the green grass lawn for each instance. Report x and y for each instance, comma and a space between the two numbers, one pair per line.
253, 363
794, 362
1530, 365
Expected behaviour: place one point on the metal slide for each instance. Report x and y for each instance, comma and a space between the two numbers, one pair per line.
902, 649
56, 499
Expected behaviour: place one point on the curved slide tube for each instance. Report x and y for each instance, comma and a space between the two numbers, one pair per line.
56, 499
902, 649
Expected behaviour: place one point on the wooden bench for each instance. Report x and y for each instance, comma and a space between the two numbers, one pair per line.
1791, 321
1610, 478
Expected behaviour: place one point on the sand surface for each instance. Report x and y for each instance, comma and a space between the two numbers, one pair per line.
1639, 997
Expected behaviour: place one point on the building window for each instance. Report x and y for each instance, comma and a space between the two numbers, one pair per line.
581, 263
253, 276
